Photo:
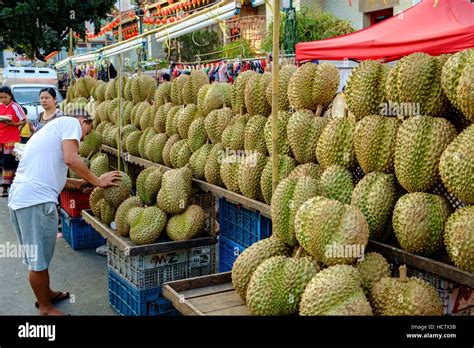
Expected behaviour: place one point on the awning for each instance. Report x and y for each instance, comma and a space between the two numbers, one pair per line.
433, 27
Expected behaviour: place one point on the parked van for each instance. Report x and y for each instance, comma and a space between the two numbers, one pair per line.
26, 84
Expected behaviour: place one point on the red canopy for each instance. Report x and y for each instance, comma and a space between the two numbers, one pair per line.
433, 27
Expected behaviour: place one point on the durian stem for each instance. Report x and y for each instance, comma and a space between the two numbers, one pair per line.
299, 252
403, 273
319, 110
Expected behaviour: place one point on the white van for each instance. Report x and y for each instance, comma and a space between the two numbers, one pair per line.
26, 84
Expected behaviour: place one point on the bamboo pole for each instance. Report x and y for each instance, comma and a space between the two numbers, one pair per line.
275, 82
119, 75
71, 53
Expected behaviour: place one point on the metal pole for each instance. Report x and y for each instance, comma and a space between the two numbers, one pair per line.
275, 82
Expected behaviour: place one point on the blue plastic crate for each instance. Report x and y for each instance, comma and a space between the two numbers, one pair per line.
228, 253
78, 233
128, 300
242, 225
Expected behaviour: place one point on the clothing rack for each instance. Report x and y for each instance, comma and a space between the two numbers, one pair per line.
222, 70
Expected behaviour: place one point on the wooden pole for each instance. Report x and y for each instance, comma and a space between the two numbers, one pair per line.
71, 71
119, 75
275, 82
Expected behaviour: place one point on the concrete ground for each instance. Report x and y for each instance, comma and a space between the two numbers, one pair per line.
83, 273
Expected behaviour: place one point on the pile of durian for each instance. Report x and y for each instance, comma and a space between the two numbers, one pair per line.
222, 134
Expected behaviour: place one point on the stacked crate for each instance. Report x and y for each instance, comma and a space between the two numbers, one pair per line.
239, 228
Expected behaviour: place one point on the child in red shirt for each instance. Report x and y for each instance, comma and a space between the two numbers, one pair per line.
11, 118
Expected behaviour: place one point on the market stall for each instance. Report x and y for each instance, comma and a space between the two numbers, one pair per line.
432, 26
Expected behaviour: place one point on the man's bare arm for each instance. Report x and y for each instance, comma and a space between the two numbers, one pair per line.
74, 162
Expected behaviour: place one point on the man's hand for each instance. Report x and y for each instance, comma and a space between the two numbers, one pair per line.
110, 179
84, 186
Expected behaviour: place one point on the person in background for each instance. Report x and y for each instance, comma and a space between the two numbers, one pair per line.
48, 100
13, 118
165, 77
25, 129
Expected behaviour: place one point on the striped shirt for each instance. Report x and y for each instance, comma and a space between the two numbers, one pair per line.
40, 122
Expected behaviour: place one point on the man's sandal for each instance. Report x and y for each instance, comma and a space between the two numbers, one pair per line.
60, 296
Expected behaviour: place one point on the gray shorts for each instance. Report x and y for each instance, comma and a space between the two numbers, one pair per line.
37, 229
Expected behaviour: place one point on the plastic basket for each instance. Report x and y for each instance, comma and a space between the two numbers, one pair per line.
151, 271
73, 202
228, 253
78, 233
130, 301
242, 225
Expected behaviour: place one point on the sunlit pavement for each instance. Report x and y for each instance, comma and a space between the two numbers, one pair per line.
83, 273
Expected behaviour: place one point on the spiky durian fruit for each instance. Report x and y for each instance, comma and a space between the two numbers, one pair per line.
405, 296
456, 166
234, 134
364, 90
248, 261
198, 160
330, 231
283, 144
336, 183
249, 175
286, 164
336, 290
456, 79
177, 89
374, 143
213, 165
300, 88
255, 96
418, 222
459, 238
312, 170
142, 88
375, 196
159, 123
193, 84
215, 123
304, 130
326, 83
286, 72
278, 283
253, 140
420, 142
417, 78
371, 269
238, 92
163, 94
336, 143
289, 195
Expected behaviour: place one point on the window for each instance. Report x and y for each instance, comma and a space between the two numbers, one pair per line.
379, 16
28, 95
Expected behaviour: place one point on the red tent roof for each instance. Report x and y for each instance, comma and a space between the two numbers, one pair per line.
445, 27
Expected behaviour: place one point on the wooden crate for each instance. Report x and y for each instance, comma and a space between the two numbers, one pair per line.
207, 295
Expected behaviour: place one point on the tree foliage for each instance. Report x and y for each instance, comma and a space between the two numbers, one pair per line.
193, 44
311, 24
37, 27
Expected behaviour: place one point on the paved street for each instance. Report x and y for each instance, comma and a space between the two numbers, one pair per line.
82, 273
